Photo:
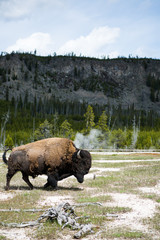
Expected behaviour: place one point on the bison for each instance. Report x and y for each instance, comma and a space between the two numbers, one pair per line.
58, 158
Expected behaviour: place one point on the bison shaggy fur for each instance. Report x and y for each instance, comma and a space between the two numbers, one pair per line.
58, 158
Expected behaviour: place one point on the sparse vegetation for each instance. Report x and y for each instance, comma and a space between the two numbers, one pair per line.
124, 233
127, 181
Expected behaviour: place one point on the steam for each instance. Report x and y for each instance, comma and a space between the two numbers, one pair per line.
90, 141
135, 132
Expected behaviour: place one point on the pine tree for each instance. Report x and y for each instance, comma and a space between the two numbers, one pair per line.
66, 129
44, 131
9, 142
89, 119
102, 123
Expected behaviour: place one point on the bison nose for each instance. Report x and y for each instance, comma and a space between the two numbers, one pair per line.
80, 180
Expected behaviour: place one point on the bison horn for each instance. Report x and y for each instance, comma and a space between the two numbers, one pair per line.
78, 154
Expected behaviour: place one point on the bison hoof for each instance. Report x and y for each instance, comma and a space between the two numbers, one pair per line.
6, 188
46, 185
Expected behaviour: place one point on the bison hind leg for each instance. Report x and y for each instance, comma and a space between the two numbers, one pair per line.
9, 175
26, 179
51, 181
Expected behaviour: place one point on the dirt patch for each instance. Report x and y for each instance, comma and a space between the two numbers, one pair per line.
151, 190
141, 209
16, 234
54, 200
6, 195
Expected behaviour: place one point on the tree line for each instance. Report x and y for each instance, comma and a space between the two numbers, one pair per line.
94, 133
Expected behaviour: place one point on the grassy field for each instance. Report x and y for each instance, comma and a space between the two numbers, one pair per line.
129, 193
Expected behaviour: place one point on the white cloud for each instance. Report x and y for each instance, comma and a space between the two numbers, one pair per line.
41, 42
14, 9
91, 44
18, 9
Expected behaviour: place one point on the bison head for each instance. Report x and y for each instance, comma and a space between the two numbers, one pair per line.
81, 164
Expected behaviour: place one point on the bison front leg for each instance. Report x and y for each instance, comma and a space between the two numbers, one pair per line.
26, 179
51, 181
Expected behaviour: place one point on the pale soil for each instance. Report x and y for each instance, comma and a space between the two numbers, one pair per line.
151, 190
15, 233
6, 195
140, 209
54, 200
126, 161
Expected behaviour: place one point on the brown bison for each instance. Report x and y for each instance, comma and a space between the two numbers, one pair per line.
58, 158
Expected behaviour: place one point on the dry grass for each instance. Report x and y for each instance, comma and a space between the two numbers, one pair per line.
129, 179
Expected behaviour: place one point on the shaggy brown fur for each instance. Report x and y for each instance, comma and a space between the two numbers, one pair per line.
52, 150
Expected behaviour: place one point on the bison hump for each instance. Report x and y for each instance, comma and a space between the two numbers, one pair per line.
58, 152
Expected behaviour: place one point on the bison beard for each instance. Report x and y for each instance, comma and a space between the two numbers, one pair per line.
58, 158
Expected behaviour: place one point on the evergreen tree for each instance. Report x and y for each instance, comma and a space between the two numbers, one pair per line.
44, 131
9, 142
143, 140
102, 123
102, 126
66, 130
89, 119
118, 139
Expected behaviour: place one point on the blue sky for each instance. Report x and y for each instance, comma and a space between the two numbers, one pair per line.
94, 28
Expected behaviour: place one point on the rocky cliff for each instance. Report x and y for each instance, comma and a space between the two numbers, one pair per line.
114, 82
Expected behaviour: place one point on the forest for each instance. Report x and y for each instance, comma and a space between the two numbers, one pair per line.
89, 126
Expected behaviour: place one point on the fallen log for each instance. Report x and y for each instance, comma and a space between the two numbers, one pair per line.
41, 210
65, 216
21, 210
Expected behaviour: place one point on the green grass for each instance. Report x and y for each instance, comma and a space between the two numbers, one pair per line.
127, 179
132, 156
104, 198
18, 217
154, 222
25, 198
97, 214
131, 235
122, 233
153, 197
3, 238
123, 164
49, 230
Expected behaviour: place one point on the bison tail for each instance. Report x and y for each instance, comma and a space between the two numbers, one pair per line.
4, 156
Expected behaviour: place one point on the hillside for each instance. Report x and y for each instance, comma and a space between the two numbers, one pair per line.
123, 82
